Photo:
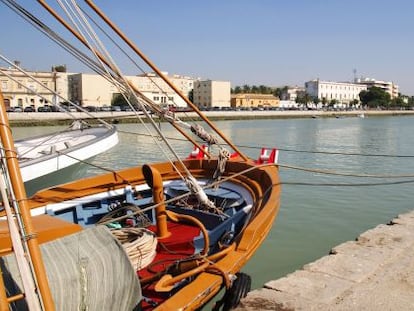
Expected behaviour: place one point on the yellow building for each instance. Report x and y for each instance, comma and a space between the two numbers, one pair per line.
19, 90
254, 100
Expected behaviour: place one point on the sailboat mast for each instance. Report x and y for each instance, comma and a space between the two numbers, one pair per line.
20, 193
113, 68
162, 76
22, 260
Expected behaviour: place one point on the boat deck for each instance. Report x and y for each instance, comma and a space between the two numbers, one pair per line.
178, 246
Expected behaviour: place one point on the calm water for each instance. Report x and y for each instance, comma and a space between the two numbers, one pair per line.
313, 218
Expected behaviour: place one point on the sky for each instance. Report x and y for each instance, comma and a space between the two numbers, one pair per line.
254, 42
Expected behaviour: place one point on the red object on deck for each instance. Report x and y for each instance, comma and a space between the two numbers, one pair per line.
268, 156
179, 245
197, 153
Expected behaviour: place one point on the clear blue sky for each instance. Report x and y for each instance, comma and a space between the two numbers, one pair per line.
269, 42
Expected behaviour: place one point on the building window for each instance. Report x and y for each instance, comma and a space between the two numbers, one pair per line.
4, 85
19, 84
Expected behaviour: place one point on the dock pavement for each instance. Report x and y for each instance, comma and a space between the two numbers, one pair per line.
374, 272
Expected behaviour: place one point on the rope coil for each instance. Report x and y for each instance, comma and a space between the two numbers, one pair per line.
139, 243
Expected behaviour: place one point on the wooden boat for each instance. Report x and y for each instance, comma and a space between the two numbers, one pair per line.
164, 236
42, 155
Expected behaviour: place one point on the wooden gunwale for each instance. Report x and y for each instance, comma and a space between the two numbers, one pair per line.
207, 284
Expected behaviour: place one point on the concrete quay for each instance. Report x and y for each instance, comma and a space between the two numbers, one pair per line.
50, 118
374, 272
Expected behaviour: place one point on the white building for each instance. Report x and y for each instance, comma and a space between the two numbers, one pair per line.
157, 90
19, 90
94, 90
342, 92
290, 93
389, 87
208, 93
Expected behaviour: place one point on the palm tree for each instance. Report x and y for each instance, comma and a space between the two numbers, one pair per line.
237, 90
255, 89
246, 89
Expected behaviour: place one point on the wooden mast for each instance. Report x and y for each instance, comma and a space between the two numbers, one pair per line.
103, 59
160, 74
22, 260
20, 193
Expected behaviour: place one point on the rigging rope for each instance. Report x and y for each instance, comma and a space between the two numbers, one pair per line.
224, 156
117, 71
329, 172
200, 132
296, 150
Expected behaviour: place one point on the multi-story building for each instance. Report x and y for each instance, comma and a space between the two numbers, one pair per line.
94, 90
389, 87
157, 90
342, 92
254, 101
36, 88
208, 94
292, 92
90, 90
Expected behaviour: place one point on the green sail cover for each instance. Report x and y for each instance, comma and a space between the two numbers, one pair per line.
88, 270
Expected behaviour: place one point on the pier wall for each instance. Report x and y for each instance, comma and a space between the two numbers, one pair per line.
58, 118
374, 272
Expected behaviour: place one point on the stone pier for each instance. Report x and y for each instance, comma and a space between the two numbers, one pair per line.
375, 272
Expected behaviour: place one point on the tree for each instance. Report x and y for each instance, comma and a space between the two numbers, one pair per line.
333, 102
280, 91
237, 90
118, 100
191, 95
265, 89
304, 99
354, 103
246, 88
324, 102
59, 68
375, 97
411, 101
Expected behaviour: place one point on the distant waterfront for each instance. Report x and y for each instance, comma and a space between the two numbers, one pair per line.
59, 118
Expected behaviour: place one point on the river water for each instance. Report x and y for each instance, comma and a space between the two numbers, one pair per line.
318, 211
